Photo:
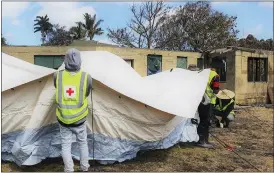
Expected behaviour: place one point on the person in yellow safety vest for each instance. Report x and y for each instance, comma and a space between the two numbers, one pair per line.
73, 87
224, 108
205, 107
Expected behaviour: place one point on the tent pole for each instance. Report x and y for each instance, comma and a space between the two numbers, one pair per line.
92, 126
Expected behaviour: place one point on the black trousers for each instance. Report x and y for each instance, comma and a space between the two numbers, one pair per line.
203, 127
224, 120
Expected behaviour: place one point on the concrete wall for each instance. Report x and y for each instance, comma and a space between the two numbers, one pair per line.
139, 56
251, 92
27, 53
230, 73
236, 79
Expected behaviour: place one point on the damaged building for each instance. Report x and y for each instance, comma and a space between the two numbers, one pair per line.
248, 72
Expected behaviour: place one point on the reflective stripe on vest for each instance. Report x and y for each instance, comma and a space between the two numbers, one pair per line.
224, 108
220, 108
72, 104
209, 91
82, 81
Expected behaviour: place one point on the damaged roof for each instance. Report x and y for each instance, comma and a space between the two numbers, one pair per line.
234, 48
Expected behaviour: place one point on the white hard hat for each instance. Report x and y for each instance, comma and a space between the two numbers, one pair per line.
225, 94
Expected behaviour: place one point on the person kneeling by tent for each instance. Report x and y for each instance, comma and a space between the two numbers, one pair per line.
224, 108
73, 87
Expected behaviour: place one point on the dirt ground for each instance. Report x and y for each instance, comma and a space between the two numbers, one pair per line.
250, 137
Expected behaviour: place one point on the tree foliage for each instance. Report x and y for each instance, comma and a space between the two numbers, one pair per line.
252, 42
141, 31
78, 32
58, 36
89, 28
196, 26
125, 37
92, 26
42, 25
3, 41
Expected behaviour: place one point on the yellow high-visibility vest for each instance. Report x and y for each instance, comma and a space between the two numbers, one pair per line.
209, 91
71, 99
221, 108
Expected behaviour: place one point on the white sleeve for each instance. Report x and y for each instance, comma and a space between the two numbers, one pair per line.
206, 99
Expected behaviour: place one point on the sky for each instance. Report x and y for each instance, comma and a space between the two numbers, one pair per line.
18, 17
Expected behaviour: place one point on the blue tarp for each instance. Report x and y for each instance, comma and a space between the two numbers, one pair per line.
45, 143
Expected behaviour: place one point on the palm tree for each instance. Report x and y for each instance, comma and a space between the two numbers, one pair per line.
78, 31
91, 26
43, 25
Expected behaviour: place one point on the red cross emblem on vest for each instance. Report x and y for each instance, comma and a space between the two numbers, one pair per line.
70, 91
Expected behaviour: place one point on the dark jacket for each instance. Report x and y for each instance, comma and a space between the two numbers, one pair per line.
226, 112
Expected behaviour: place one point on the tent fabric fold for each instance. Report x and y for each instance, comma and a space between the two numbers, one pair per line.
127, 112
19, 72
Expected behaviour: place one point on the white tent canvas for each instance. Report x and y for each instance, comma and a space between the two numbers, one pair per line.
128, 113
19, 72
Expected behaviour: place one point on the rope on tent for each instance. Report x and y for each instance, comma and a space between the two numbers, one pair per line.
229, 148
256, 117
